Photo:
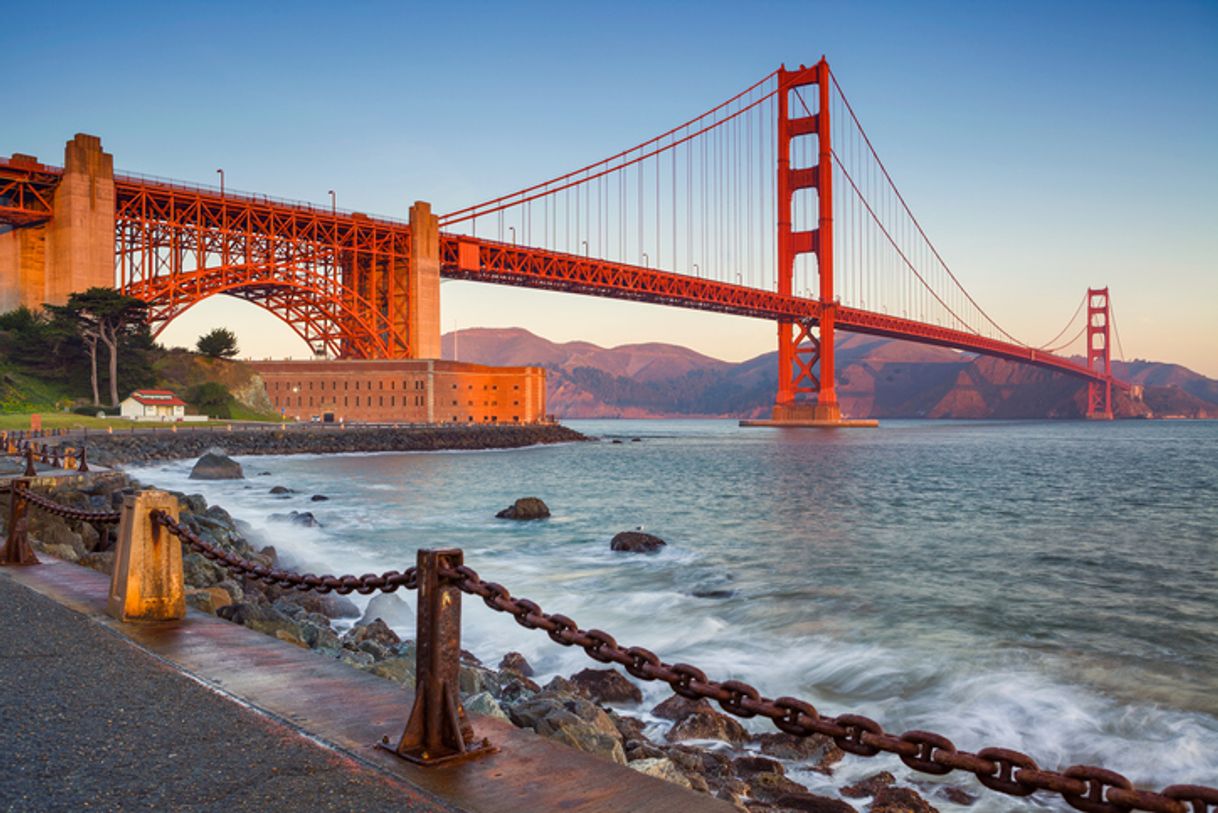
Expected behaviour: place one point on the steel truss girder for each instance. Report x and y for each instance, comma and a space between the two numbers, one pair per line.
27, 190
329, 277
507, 264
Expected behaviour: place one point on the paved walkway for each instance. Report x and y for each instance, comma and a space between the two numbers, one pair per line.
100, 715
89, 721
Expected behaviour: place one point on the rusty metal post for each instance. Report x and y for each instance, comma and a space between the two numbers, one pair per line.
147, 582
438, 730
83, 466
17, 550
30, 471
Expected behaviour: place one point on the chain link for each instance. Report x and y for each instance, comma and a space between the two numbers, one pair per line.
1087, 788
367, 584
66, 511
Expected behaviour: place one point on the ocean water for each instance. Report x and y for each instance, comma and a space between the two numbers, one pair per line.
1045, 586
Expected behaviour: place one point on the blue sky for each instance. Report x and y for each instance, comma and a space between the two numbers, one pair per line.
1045, 146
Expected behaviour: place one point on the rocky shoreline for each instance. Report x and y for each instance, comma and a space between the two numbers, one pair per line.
596, 710
122, 448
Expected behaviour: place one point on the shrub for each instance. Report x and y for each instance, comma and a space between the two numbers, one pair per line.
211, 398
220, 343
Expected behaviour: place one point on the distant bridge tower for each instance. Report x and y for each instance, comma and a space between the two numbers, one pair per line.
805, 349
1099, 354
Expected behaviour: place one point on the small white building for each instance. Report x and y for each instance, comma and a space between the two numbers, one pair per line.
153, 405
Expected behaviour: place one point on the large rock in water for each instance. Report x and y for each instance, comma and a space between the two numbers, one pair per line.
636, 542
708, 725
376, 630
525, 508
216, 465
331, 605
607, 686
390, 608
900, 800
576, 721
678, 708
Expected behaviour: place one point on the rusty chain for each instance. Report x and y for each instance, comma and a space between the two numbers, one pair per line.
1087, 788
66, 511
387, 582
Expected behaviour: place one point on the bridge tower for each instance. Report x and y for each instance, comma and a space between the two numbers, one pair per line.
71, 246
806, 391
1099, 354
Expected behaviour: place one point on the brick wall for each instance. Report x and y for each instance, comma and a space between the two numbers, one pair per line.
408, 391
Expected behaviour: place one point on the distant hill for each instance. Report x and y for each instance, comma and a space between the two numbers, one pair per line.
516, 346
879, 378
1167, 376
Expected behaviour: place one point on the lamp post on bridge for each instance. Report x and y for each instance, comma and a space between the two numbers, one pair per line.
221, 174
512, 229
333, 204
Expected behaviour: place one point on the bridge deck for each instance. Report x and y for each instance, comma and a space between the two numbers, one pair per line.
482, 260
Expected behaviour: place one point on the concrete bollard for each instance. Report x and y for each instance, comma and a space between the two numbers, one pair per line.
147, 582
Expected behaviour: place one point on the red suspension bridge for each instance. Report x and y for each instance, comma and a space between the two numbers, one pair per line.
773, 205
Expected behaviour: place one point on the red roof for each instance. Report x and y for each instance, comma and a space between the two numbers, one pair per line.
157, 398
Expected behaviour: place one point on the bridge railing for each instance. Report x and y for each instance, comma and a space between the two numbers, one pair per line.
227, 193
147, 585
24, 445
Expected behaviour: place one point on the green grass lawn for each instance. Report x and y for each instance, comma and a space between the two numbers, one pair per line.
241, 412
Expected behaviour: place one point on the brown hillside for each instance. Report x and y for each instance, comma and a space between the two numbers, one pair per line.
179, 370
876, 378
516, 346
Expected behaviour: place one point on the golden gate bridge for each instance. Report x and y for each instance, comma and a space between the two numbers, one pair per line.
773, 205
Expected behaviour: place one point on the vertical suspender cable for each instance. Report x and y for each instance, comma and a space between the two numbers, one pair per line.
689, 208
658, 210
639, 250
748, 199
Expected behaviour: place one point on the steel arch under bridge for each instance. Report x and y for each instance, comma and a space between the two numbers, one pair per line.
338, 280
